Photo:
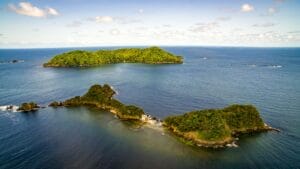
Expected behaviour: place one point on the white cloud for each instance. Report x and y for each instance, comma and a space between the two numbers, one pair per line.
294, 32
223, 18
110, 19
141, 10
114, 31
26, 8
104, 19
264, 25
272, 10
167, 25
74, 24
204, 27
35, 29
52, 11
126, 20
247, 8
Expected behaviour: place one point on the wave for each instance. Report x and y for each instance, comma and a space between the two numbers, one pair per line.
12, 108
274, 66
252, 65
114, 90
268, 66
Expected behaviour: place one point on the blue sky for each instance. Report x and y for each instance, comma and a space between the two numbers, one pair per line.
63, 23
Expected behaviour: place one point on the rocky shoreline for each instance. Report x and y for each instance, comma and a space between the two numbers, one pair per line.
228, 142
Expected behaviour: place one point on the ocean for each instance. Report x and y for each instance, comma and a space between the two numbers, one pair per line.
210, 77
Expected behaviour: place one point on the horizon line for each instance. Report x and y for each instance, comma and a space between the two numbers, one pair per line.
94, 46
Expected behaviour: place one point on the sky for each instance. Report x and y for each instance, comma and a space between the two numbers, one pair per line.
74, 23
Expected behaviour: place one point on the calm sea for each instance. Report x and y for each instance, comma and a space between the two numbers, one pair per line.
210, 77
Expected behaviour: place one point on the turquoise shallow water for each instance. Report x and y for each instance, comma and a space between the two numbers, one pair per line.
89, 138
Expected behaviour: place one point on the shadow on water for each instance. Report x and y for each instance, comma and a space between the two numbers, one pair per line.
83, 69
101, 117
30, 114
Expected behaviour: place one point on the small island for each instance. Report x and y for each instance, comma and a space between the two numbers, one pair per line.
102, 97
79, 58
28, 107
216, 127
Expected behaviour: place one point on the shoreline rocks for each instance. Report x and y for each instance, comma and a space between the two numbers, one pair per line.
28, 107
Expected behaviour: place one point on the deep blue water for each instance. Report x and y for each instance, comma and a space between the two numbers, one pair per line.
87, 138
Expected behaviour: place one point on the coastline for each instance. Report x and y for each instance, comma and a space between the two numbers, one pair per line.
190, 139
87, 66
81, 58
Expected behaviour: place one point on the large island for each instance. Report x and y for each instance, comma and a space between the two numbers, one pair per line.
209, 128
79, 58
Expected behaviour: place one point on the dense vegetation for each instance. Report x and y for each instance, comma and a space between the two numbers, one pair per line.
215, 125
241, 118
78, 58
102, 97
26, 107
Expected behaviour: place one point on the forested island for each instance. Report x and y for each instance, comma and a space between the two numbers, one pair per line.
102, 97
209, 128
216, 127
79, 58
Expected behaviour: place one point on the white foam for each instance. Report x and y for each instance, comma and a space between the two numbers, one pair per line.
152, 122
11, 108
114, 90
232, 145
253, 65
275, 66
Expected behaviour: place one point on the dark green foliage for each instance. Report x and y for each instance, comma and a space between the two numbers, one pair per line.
31, 106
209, 123
77, 58
134, 111
213, 124
101, 96
75, 101
99, 93
242, 117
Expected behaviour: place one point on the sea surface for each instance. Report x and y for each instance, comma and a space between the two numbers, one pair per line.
211, 77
